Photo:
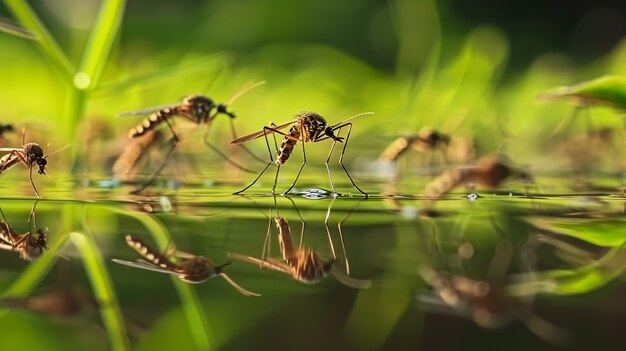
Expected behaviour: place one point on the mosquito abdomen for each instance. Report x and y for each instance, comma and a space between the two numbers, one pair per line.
151, 122
286, 146
149, 253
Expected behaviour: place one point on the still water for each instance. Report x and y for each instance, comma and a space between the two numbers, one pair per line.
521, 268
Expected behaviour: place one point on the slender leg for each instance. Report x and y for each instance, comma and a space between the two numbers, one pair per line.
248, 151
175, 140
32, 217
5, 234
330, 178
156, 174
30, 178
343, 150
330, 238
265, 168
221, 154
299, 172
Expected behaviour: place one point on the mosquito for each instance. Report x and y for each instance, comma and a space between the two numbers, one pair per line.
30, 154
29, 246
426, 140
302, 263
198, 109
193, 269
306, 127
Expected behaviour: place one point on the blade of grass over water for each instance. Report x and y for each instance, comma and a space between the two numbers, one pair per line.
27, 17
103, 290
99, 44
191, 306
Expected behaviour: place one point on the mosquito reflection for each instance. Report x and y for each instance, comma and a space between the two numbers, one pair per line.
302, 263
192, 269
30, 246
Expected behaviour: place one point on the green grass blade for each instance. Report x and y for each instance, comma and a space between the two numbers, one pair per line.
27, 17
103, 290
36, 271
99, 44
189, 299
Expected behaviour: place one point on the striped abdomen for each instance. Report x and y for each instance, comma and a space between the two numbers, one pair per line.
150, 254
448, 180
151, 122
396, 148
286, 146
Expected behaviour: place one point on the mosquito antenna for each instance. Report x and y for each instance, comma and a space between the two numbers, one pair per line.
244, 89
355, 116
56, 151
237, 286
23, 135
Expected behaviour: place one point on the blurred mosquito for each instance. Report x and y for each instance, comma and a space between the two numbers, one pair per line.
193, 269
29, 246
5, 128
303, 264
30, 154
306, 127
198, 109
427, 140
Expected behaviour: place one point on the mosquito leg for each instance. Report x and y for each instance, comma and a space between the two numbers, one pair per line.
30, 178
299, 172
330, 154
269, 151
6, 235
343, 150
244, 147
156, 174
220, 153
32, 217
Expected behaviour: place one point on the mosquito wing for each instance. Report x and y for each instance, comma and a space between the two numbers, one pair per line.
146, 111
141, 264
277, 266
261, 133
9, 149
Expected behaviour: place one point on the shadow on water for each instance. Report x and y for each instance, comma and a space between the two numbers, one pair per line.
541, 270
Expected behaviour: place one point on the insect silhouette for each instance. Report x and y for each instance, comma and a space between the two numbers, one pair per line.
58, 303
31, 155
193, 269
426, 140
489, 170
306, 127
198, 109
5, 128
128, 162
302, 263
29, 246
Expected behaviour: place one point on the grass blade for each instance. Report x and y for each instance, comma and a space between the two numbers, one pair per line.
103, 290
31, 22
13, 29
99, 44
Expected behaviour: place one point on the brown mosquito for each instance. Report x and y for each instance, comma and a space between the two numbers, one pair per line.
30, 154
306, 127
426, 140
193, 269
302, 263
198, 109
29, 246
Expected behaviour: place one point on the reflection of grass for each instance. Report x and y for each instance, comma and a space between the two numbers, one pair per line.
103, 290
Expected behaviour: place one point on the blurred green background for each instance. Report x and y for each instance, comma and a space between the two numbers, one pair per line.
468, 68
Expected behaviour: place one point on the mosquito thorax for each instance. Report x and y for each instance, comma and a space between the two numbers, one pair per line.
199, 106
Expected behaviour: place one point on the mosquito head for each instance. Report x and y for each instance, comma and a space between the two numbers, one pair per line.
221, 108
42, 162
331, 134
